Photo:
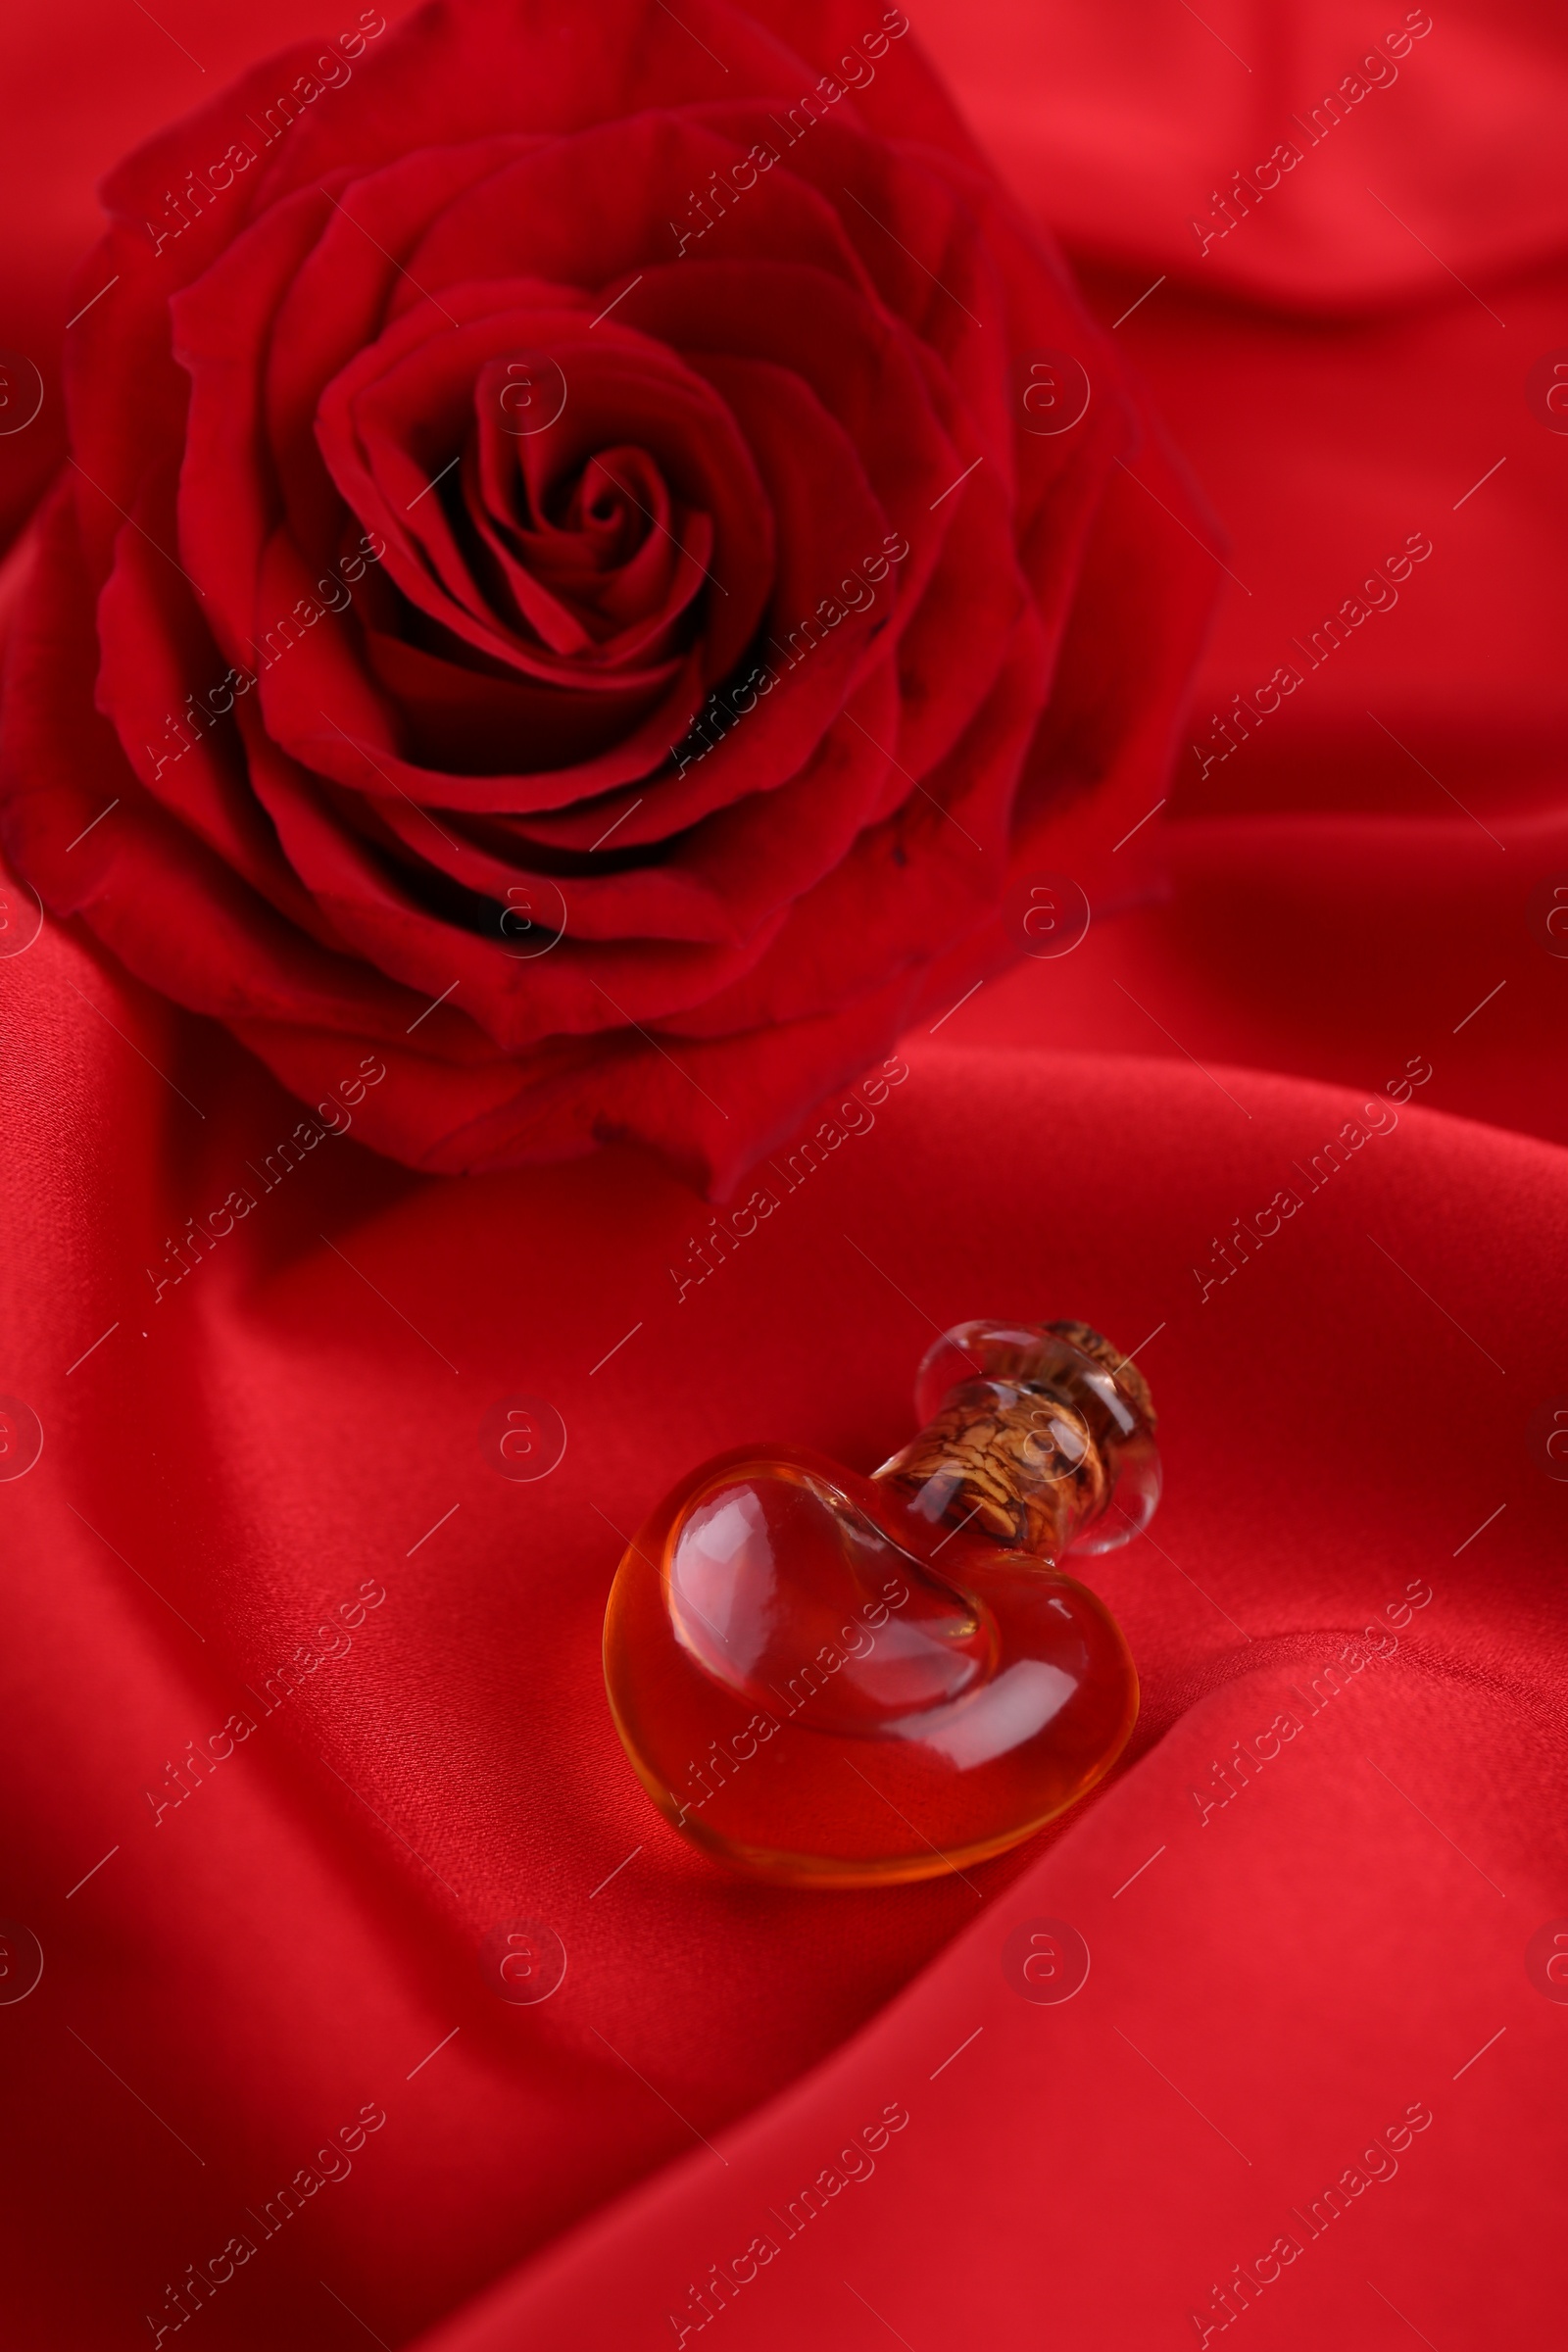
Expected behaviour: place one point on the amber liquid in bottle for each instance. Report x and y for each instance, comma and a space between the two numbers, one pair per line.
832, 1679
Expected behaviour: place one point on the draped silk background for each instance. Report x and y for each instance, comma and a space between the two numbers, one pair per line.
1340, 1975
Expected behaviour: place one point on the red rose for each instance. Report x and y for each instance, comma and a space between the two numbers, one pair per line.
576, 606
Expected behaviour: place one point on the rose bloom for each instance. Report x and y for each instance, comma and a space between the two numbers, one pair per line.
561, 578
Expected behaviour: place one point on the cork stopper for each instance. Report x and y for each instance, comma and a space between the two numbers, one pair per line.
1032, 1434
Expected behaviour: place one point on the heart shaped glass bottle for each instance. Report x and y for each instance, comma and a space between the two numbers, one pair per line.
835, 1680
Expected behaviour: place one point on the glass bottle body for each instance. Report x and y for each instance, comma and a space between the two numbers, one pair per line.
927, 1703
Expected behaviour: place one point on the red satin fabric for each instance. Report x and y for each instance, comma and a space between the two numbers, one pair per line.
1357, 1411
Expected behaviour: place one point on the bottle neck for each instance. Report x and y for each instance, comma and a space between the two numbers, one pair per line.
1015, 1462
